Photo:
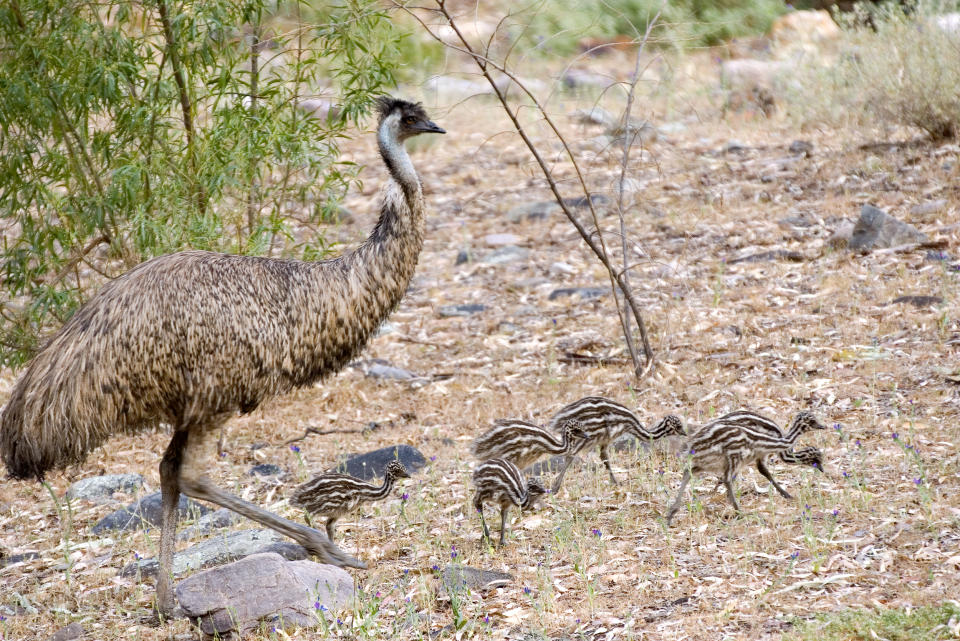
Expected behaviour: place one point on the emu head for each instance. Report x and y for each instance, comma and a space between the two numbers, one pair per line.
395, 470
671, 425
574, 432
535, 490
806, 421
408, 118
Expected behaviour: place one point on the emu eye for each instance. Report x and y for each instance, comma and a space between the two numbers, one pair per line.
409, 120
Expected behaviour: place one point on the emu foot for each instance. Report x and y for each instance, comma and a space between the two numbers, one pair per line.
328, 552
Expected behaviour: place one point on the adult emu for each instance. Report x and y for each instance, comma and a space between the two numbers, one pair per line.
190, 339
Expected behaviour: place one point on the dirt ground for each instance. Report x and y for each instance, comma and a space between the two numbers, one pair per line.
811, 329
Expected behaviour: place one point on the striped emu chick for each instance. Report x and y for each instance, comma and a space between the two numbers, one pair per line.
523, 443
333, 495
741, 438
809, 456
500, 482
604, 421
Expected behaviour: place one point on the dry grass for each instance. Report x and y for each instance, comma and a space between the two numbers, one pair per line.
776, 336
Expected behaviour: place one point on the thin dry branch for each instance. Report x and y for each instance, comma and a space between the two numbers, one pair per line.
485, 63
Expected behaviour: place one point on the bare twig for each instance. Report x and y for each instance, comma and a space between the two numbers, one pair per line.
624, 163
185, 105
485, 63
369, 427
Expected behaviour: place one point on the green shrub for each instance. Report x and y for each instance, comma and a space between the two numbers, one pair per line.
558, 25
131, 129
896, 66
927, 623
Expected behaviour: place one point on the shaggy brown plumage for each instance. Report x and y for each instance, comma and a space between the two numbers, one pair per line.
189, 339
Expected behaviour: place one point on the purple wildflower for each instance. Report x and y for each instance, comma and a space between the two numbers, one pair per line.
836, 513
295, 449
526, 590
433, 458
846, 475
918, 481
404, 496
596, 532
316, 605
895, 436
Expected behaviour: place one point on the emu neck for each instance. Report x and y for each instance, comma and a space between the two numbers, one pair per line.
793, 433
383, 490
395, 155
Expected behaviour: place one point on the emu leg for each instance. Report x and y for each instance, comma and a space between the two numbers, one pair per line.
763, 470
676, 502
170, 492
503, 523
728, 481
330, 523
195, 484
483, 522
605, 457
563, 470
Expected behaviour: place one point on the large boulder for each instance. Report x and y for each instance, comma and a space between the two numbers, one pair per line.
146, 513
100, 489
371, 465
876, 229
263, 590
222, 549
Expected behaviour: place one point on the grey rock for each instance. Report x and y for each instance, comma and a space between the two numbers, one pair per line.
918, 301
263, 469
734, 147
145, 513
370, 465
221, 549
562, 268
583, 79
463, 256
457, 578
801, 147
532, 211
841, 236
594, 116
389, 372
263, 589
18, 558
449, 311
216, 520
379, 368
629, 444
543, 209
938, 256
499, 240
927, 208
551, 465
876, 229
776, 254
101, 488
584, 293
68, 633
506, 254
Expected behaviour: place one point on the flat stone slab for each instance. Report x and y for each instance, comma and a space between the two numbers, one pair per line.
584, 293
460, 577
876, 229
146, 513
100, 489
263, 589
371, 465
506, 254
216, 520
469, 309
220, 550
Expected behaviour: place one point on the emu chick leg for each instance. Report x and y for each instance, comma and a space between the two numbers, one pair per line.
503, 523
766, 472
676, 502
195, 484
605, 457
563, 470
330, 523
170, 492
728, 477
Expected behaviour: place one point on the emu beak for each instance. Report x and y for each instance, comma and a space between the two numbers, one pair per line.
430, 127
